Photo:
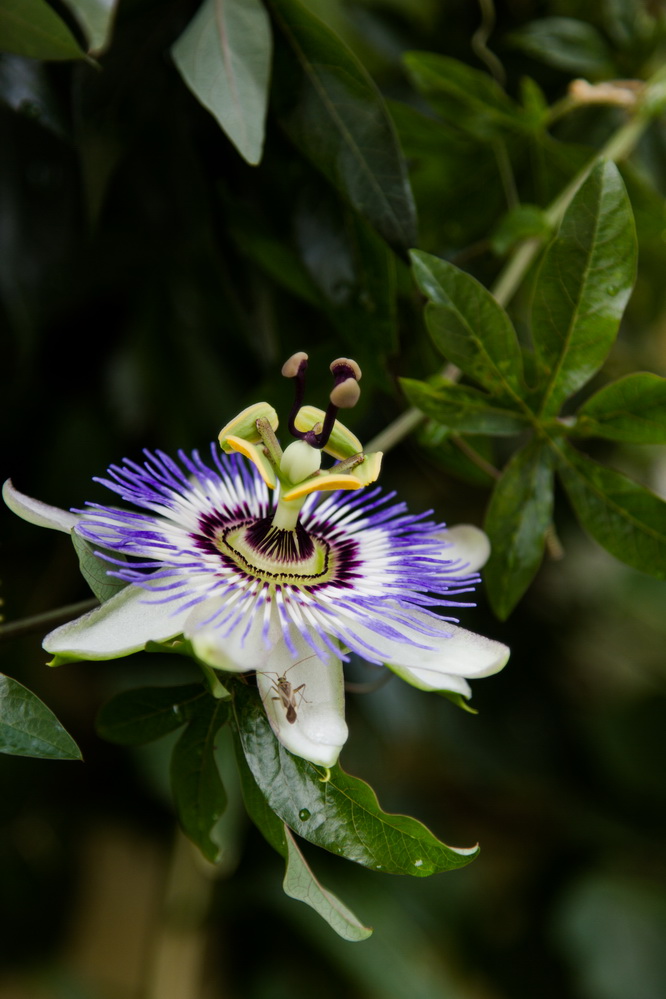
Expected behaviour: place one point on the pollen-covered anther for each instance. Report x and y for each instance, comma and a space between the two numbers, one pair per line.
345, 394
294, 365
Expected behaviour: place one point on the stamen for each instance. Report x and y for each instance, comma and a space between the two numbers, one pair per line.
344, 395
295, 367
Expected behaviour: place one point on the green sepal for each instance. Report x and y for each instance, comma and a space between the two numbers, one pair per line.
95, 570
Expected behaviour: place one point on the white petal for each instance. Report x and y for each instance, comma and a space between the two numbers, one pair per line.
453, 652
316, 692
120, 626
237, 652
36, 512
466, 543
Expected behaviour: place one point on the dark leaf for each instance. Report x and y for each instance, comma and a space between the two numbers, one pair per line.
518, 517
462, 409
334, 810
139, 716
624, 517
332, 110
29, 728
568, 44
198, 792
95, 570
32, 28
299, 881
632, 409
583, 286
470, 328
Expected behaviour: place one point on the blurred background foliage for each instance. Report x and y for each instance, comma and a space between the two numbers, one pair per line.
151, 284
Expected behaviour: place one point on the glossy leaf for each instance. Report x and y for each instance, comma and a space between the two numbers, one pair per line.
29, 728
334, 810
95, 570
135, 717
470, 328
32, 28
627, 519
466, 97
334, 113
569, 44
522, 222
517, 520
96, 20
299, 881
632, 409
224, 56
583, 286
197, 788
462, 409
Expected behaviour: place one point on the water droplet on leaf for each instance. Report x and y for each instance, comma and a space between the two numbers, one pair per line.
304, 815
418, 863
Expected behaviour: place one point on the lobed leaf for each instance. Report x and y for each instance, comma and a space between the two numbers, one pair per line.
29, 728
334, 810
517, 520
627, 519
224, 56
582, 287
31, 28
198, 792
462, 409
470, 328
143, 715
333, 112
299, 881
632, 409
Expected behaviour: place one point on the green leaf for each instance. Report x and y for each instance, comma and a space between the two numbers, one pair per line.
334, 810
470, 328
466, 97
462, 409
334, 113
517, 520
632, 409
568, 44
299, 881
627, 519
582, 287
139, 716
29, 728
31, 28
523, 222
198, 792
224, 56
95, 570
96, 20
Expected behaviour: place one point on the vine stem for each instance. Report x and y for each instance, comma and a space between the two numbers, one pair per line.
40, 622
616, 148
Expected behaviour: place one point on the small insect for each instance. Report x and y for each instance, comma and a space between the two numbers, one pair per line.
286, 693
